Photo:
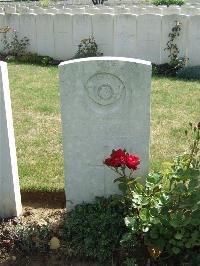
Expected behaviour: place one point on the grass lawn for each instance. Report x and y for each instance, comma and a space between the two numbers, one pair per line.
36, 114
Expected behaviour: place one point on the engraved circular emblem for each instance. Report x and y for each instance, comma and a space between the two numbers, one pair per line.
105, 91
104, 88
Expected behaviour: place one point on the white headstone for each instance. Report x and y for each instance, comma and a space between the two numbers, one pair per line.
28, 29
63, 36
81, 29
45, 34
103, 28
10, 199
105, 105
2, 35
125, 32
149, 37
194, 40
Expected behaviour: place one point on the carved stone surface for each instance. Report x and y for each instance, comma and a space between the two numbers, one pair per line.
105, 105
10, 199
104, 88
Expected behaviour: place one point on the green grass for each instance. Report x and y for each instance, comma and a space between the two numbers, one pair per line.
36, 113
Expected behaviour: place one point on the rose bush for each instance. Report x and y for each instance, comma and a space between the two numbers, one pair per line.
162, 214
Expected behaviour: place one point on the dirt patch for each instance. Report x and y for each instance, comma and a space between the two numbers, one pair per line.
50, 200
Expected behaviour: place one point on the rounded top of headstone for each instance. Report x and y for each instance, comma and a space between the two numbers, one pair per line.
106, 58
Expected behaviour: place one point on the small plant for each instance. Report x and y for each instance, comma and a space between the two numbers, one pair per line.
87, 48
94, 230
37, 59
15, 46
168, 2
176, 62
33, 238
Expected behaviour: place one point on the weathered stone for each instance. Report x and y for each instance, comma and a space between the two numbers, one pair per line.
10, 199
105, 105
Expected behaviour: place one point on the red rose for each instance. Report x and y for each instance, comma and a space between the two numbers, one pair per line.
132, 162
109, 162
116, 159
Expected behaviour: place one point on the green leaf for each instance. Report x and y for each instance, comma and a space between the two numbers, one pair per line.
139, 187
143, 214
193, 184
176, 250
160, 243
180, 187
145, 201
195, 235
177, 219
154, 234
154, 178
154, 220
178, 236
130, 221
188, 245
119, 179
145, 229
153, 212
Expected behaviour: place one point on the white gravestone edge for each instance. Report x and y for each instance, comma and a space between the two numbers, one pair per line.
10, 197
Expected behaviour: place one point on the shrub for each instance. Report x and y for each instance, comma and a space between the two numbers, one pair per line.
94, 230
176, 62
87, 48
37, 59
164, 212
14, 46
190, 72
168, 2
169, 70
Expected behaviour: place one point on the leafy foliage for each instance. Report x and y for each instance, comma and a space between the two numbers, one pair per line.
33, 238
94, 230
176, 62
189, 72
87, 48
168, 2
36, 59
15, 46
164, 214
14, 49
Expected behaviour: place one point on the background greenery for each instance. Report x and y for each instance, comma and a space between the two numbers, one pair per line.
37, 123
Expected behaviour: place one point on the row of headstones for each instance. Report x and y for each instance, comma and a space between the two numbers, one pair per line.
106, 2
162, 10
99, 100
135, 36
